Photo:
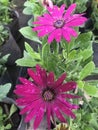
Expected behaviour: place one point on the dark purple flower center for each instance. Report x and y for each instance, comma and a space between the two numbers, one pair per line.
48, 94
59, 23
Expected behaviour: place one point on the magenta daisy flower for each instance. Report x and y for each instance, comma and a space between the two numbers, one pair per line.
44, 95
58, 23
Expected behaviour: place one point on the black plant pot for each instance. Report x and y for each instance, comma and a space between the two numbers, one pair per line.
5, 78
14, 25
10, 47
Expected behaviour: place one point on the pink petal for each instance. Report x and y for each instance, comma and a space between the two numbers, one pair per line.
76, 22
58, 34
25, 81
69, 96
58, 12
42, 27
37, 78
66, 35
68, 86
27, 100
48, 17
69, 10
26, 90
44, 21
42, 73
66, 110
71, 31
32, 106
51, 37
46, 30
58, 114
67, 104
60, 80
39, 116
48, 112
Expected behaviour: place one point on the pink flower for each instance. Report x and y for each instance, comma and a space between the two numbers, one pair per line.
58, 23
45, 95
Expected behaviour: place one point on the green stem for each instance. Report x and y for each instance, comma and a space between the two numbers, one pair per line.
88, 104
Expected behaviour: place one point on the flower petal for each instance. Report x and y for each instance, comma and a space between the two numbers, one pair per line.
68, 104
51, 37
71, 31
69, 10
48, 112
67, 86
66, 35
46, 30
76, 22
31, 105
37, 78
60, 80
39, 116
23, 101
42, 73
58, 114
58, 34
66, 110
70, 96
25, 81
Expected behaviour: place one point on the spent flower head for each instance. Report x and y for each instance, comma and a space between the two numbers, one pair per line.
46, 3
45, 95
58, 23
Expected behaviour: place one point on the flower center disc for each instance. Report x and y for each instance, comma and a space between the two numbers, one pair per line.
48, 95
59, 23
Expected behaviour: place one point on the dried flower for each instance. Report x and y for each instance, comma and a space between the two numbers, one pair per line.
58, 23
45, 95
46, 3
62, 126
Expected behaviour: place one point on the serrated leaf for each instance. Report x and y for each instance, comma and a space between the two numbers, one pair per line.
87, 70
4, 89
28, 33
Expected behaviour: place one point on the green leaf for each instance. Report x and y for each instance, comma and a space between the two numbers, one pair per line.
87, 70
72, 55
84, 37
80, 84
8, 127
32, 53
4, 89
28, 11
91, 90
13, 109
45, 53
86, 54
28, 33
27, 61
94, 121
